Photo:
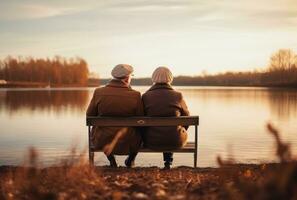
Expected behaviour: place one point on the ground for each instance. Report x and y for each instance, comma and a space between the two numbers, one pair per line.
236, 181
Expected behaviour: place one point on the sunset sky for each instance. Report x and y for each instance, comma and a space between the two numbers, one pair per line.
188, 36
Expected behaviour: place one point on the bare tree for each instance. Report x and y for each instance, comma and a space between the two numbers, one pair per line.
282, 60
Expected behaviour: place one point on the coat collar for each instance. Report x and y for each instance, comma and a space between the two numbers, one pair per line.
117, 83
161, 86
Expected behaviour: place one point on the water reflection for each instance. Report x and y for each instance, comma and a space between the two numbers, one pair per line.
51, 119
283, 103
57, 101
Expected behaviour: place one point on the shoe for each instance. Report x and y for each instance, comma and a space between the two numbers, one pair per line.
167, 165
129, 163
112, 162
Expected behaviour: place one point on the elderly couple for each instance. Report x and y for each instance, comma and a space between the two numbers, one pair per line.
117, 98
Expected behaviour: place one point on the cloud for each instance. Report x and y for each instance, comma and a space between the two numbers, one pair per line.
14, 10
265, 14
148, 6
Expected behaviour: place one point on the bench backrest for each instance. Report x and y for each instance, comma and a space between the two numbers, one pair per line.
143, 121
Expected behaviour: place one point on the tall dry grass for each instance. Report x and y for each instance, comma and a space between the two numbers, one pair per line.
273, 181
72, 178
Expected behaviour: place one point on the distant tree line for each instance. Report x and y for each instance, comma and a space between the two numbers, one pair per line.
281, 71
57, 71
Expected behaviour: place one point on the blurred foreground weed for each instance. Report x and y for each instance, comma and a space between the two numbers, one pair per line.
273, 181
72, 178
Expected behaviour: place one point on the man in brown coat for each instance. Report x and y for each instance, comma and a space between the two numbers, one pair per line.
161, 100
118, 99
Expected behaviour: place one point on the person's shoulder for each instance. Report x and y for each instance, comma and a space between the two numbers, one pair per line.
99, 89
178, 94
144, 94
147, 93
134, 92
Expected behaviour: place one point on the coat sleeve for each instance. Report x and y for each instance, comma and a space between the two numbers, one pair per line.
184, 107
92, 108
139, 111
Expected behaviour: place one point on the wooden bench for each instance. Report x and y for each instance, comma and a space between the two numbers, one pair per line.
190, 147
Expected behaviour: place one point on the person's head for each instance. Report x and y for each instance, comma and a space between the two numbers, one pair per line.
162, 75
122, 72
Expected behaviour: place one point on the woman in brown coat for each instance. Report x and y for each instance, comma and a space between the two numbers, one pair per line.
161, 100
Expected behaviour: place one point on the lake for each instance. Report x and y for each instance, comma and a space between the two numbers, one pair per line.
232, 124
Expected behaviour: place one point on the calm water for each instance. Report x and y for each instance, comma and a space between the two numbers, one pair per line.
232, 122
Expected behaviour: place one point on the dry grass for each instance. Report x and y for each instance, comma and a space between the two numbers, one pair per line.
74, 179
273, 181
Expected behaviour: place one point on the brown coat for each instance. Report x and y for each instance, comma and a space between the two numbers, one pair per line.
116, 99
163, 101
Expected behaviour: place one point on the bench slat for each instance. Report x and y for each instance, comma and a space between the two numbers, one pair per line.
189, 147
143, 121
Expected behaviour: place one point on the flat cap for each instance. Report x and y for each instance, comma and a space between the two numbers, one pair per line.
162, 75
122, 71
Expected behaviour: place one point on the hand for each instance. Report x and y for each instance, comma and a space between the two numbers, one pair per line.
107, 149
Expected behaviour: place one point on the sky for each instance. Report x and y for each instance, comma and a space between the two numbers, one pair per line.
188, 36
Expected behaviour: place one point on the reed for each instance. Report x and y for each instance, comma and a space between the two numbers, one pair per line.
272, 181
72, 178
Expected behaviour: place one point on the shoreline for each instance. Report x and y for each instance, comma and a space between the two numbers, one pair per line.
41, 85
21, 84
95, 86
244, 165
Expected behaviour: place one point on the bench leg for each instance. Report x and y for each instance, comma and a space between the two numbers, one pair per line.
196, 146
91, 153
195, 159
91, 158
